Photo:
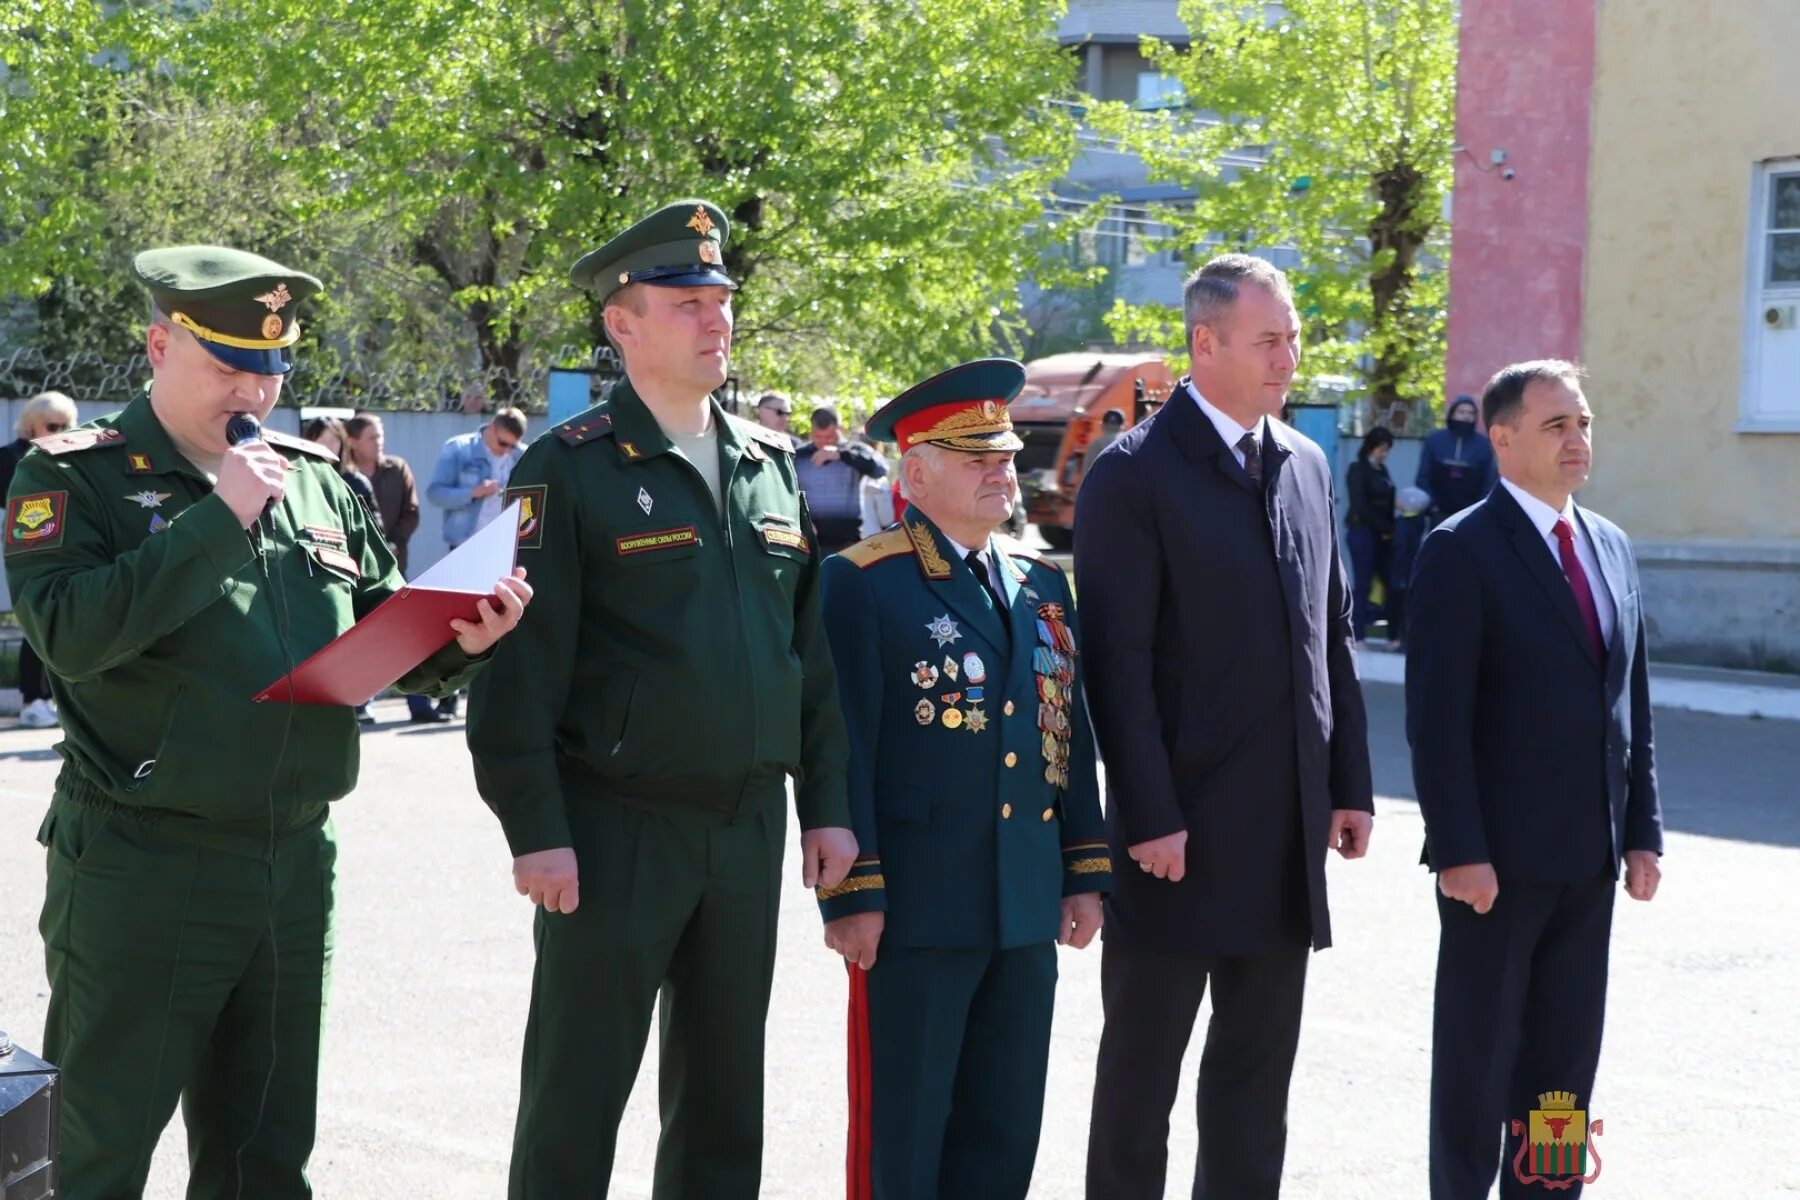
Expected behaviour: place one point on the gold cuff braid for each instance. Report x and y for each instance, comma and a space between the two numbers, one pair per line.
861, 883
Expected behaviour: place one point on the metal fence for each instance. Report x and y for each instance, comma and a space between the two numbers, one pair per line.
91, 378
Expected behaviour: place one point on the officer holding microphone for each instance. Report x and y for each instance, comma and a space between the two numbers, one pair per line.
166, 576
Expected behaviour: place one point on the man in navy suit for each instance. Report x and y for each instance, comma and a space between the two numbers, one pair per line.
1528, 712
1224, 696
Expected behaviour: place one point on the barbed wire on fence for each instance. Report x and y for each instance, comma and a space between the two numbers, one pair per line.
89, 377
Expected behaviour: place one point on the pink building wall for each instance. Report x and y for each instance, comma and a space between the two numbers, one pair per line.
1525, 77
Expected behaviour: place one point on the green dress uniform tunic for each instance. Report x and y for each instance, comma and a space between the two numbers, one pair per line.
187, 921
976, 809
671, 672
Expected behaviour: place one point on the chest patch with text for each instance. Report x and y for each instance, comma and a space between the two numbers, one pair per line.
662, 539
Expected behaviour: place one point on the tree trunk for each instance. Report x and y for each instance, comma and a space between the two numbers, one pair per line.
1395, 236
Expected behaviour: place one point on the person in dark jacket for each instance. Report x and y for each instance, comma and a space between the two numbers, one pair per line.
1456, 465
1224, 698
1369, 525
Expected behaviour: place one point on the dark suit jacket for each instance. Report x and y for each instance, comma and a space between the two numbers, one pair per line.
1528, 752
1221, 680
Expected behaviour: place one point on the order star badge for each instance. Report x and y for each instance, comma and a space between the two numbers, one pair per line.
944, 630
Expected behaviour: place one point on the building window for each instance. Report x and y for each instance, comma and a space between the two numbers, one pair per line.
1784, 231
1770, 401
1156, 90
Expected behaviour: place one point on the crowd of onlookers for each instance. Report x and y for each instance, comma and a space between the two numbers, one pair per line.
1383, 525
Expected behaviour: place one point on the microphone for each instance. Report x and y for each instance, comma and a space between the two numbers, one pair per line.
240, 430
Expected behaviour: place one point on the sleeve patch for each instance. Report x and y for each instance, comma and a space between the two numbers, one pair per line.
792, 539
531, 513
35, 522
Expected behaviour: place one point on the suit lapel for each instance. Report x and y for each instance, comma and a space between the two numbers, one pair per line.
950, 578
1615, 576
1531, 548
1198, 439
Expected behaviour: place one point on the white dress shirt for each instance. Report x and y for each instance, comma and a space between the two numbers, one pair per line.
1230, 430
1544, 518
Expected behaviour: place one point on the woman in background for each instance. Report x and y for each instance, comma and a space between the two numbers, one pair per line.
329, 433
1369, 525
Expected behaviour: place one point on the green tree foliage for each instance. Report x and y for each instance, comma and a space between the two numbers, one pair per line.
1353, 102
883, 162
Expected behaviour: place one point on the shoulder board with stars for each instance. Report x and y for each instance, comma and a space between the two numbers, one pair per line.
288, 441
585, 428
86, 438
871, 550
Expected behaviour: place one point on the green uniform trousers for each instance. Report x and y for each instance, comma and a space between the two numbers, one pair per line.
182, 971
673, 903
959, 1046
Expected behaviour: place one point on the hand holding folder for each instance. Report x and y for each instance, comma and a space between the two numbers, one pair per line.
408, 627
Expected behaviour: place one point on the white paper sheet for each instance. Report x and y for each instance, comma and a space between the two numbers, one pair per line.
478, 563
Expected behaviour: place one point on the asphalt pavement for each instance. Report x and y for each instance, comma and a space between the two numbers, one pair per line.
1699, 1082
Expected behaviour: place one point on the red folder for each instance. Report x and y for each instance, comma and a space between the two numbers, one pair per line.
408, 627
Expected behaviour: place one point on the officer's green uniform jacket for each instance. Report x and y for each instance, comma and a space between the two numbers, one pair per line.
670, 656
153, 608
964, 838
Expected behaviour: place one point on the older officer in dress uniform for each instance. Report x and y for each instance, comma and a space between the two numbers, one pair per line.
636, 737
974, 799
167, 577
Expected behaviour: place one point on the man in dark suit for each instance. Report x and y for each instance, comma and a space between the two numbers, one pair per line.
1226, 706
975, 804
1528, 711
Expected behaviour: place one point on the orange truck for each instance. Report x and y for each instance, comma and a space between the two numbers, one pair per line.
1059, 413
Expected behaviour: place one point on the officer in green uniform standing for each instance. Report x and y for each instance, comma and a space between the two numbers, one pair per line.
166, 577
636, 735
975, 804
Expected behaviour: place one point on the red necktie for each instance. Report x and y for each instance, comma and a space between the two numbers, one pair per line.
1578, 583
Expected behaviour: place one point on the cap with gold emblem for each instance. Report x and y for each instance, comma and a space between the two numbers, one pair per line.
241, 306
679, 245
963, 408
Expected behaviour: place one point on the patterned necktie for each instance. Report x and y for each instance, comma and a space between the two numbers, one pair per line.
973, 558
1252, 459
1578, 583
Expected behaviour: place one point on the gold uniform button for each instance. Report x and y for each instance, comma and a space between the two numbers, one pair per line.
1012, 759
1048, 813
1008, 710
1006, 812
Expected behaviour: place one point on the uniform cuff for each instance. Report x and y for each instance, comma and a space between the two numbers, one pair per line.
1087, 867
864, 889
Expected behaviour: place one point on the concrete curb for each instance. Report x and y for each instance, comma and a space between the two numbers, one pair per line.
1724, 693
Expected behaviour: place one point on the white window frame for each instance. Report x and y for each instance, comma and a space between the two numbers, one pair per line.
1750, 419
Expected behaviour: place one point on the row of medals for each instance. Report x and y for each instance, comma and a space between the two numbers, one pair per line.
1053, 663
